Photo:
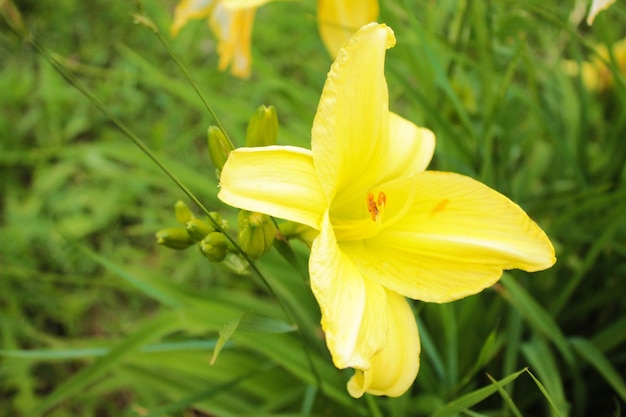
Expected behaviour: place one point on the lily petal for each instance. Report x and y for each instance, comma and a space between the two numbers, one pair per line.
350, 128
410, 150
393, 369
190, 9
276, 180
455, 241
354, 312
339, 19
233, 29
243, 4
596, 7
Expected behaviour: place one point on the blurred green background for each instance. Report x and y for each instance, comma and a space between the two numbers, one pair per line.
97, 320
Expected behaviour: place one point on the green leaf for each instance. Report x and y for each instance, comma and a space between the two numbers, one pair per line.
538, 354
153, 329
536, 315
597, 359
225, 334
473, 398
258, 324
545, 393
505, 395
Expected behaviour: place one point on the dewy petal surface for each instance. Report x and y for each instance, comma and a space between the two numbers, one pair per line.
393, 369
354, 308
276, 180
351, 127
338, 20
454, 241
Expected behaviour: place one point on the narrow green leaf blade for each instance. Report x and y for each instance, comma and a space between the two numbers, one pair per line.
473, 398
597, 359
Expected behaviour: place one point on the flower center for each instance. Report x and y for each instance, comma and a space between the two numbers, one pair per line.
376, 207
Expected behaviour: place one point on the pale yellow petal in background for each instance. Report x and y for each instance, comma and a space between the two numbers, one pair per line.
338, 20
350, 128
455, 241
243, 4
276, 180
596, 7
187, 10
233, 29
354, 312
394, 369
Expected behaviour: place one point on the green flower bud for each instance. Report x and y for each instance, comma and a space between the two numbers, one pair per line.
183, 214
256, 233
198, 229
263, 127
291, 230
218, 219
174, 238
219, 146
214, 247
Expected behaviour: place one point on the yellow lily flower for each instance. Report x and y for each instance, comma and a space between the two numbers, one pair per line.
387, 229
230, 21
337, 20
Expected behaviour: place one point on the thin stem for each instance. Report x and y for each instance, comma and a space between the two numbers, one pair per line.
373, 406
140, 18
76, 83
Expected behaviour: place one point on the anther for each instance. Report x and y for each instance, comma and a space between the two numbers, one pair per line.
371, 206
374, 207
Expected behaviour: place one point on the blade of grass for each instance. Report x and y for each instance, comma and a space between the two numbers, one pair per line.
542, 361
505, 395
596, 358
185, 402
545, 393
474, 397
151, 330
535, 315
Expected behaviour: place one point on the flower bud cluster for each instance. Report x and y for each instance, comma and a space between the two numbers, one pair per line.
256, 234
212, 243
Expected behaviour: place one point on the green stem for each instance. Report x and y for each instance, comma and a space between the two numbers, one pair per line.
65, 73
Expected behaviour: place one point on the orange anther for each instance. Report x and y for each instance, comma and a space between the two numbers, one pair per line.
382, 199
371, 206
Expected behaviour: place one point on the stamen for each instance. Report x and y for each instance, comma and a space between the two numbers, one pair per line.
371, 206
382, 199
375, 207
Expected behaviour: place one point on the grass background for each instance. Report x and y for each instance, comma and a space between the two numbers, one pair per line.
96, 320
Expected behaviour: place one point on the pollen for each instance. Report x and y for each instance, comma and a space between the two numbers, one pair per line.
375, 207
439, 207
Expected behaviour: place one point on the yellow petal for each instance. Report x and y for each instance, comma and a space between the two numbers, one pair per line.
276, 180
338, 20
455, 241
233, 29
243, 4
393, 370
351, 128
355, 222
190, 9
596, 7
354, 312
410, 149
